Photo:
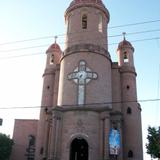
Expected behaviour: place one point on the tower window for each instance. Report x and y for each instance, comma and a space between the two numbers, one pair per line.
100, 23
129, 110
130, 154
125, 56
52, 59
84, 21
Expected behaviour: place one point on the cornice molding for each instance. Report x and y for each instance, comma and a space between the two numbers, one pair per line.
96, 49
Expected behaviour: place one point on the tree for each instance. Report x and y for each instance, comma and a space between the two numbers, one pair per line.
5, 147
153, 146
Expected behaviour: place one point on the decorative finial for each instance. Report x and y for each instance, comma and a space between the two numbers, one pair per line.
55, 37
124, 35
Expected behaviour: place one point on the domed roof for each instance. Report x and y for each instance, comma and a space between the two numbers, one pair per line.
75, 2
54, 47
79, 3
125, 44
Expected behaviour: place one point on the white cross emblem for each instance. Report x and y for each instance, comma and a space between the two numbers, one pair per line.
81, 76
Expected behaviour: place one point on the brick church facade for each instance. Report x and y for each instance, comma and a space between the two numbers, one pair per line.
89, 105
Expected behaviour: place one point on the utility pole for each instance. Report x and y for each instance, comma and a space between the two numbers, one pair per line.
1, 121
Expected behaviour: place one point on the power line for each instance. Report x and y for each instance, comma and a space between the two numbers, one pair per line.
23, 55
60, 35
134, 33
134, 24
139, 40
8, 57
26, 40
89, 104
45, 45
18, 49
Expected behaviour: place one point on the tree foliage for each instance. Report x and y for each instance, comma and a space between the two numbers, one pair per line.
153, 146
5, 147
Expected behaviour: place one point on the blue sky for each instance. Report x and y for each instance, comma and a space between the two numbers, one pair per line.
21, 78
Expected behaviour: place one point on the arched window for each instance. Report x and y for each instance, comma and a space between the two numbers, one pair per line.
125, 57
84, 21
52, 59
100, 23
129, 110
130, 154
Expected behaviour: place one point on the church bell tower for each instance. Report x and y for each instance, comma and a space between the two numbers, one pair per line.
89, 103
85, 82
86, 66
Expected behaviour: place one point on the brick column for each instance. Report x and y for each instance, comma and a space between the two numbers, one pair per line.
105, 121
106, 132
46, 136
52, 139
55, 136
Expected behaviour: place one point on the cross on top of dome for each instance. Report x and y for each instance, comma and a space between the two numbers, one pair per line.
125, 43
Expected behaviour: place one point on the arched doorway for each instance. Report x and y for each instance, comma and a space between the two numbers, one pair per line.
79, 149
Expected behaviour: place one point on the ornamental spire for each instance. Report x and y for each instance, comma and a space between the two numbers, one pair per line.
55, 37
124, 36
